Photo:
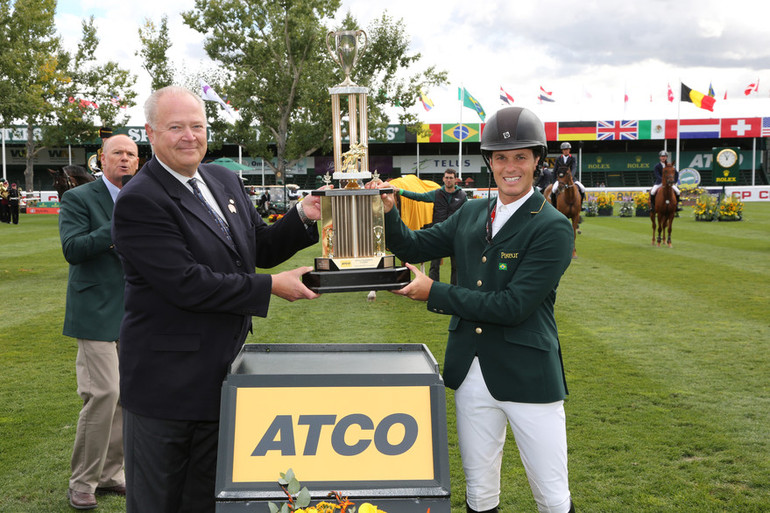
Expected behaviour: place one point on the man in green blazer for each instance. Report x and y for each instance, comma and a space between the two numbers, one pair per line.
93, 314
503, 356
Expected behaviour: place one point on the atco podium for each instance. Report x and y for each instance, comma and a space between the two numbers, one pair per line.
365, 420
352, 218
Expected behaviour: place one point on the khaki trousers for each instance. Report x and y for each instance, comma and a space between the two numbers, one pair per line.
97, 456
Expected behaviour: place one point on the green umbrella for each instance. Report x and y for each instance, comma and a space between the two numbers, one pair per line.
231, 164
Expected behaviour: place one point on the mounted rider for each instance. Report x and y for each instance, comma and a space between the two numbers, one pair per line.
658, 173
566, 160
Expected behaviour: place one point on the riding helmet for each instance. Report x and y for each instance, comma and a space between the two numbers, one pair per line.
514, 128
662, 153
566, 146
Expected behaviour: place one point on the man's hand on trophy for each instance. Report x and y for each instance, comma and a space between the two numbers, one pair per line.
419, 288
388, 198
311, 205
289, 286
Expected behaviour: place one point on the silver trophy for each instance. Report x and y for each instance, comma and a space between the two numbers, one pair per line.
352, 217
346, 48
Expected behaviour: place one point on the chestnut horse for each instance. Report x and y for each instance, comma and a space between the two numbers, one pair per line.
69, 177
665, 206
568, 200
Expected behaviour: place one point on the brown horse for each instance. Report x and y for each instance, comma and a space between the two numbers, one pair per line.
664, 208
69, 177
568, 200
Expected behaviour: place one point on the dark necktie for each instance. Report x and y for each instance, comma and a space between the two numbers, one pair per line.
217, 219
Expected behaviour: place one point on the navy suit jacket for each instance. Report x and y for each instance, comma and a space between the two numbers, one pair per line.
190, 293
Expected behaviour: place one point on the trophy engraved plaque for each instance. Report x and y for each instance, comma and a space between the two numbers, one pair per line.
352, 218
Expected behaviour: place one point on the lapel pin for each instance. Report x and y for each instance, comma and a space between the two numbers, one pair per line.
231, 207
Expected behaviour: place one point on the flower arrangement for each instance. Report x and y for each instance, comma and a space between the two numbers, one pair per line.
705, 207
690, 192
298, 498
642, 204
605, 200
590, 207
730, 209
274, 217
627, 206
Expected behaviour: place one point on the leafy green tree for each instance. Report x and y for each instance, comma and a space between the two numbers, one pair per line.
155, 45
97, 93
278, 72
30, 68
43, 85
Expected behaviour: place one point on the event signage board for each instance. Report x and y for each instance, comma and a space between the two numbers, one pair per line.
365, 420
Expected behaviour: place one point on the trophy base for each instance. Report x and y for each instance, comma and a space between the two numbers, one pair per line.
331, 279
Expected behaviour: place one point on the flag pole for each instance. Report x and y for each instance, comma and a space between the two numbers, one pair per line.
460, 151
678, 116
3, 150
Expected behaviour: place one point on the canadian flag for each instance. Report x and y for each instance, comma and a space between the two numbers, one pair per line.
670, 94
752, 88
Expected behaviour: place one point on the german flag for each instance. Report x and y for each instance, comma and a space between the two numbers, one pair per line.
698, 99
577, 131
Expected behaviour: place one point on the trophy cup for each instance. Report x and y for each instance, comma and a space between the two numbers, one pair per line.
352, 218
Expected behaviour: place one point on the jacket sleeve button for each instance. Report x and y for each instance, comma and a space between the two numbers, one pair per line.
479, 331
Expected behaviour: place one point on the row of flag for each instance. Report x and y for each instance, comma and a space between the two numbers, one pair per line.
687, 94
617, 130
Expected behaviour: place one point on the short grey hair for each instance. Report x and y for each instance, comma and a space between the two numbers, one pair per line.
151, 105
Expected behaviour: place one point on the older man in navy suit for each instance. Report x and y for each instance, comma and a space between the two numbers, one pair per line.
189, 239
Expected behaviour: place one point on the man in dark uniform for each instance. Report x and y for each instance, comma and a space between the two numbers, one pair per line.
14, 198
446, 200
658, 176
567, 160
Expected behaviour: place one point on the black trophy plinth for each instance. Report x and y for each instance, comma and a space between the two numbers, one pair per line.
353, 242
353, 280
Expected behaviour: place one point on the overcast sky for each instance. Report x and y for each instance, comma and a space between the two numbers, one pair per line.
588, 53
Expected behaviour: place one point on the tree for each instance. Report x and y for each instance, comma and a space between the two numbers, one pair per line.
43, 85
278, 73
155, 45
30, 67
96, 93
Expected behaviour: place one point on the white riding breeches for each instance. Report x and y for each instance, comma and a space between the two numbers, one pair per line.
658, 186
540, 434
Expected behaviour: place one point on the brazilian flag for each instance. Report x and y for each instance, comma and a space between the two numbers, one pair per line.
469, 101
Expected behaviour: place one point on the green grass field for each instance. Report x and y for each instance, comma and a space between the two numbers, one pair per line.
666, 352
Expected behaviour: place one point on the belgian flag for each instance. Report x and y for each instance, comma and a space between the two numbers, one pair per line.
697, 98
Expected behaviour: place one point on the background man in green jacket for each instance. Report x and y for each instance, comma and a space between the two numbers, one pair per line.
446, 200
503, 356
93, 314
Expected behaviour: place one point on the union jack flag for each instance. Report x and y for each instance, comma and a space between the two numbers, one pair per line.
617, 130
765, 127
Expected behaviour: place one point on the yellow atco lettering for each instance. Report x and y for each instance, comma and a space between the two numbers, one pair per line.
280, 434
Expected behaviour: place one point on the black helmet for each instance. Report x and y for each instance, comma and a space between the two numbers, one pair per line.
514, 128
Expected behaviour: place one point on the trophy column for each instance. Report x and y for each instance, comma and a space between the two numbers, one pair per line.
352, 218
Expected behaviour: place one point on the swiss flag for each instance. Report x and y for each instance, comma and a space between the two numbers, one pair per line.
741, 127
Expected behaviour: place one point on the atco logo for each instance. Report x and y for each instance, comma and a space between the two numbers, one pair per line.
280, 435
365, 433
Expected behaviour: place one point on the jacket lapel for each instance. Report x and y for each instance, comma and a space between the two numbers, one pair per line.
188, 201
519, 220
227, 204
103, 198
